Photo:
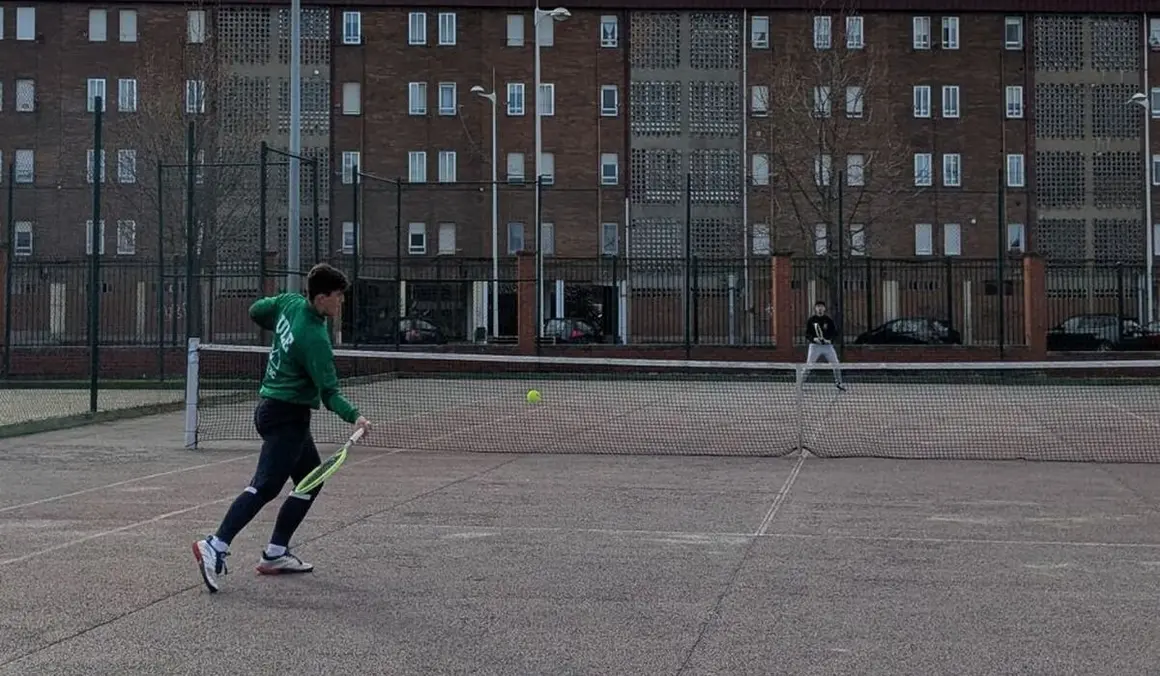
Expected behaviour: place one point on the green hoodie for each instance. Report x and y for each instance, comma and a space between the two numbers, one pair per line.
300, 368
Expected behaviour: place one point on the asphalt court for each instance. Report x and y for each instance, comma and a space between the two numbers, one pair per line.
451, 563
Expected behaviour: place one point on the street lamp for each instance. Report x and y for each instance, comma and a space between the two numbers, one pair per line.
491, 97
1141, 99
558, 14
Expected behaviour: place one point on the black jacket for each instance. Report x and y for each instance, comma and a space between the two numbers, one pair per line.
822, 327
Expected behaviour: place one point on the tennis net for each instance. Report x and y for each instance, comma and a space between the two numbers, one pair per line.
1073, 411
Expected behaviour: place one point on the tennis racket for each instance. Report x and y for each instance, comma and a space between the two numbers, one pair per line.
324, 471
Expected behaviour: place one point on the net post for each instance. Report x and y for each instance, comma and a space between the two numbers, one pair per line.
192, 365
799, 401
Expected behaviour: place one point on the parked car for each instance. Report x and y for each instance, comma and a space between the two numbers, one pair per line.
1101, 333
410, 331
572, 330
911, 331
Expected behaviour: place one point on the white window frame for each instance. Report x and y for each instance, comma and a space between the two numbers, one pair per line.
93, 88
761, 239
1, 23
417, 98
352, 28
952, 170
515, 30
609, 244
1156, 170
447, 29
821, 239
759, 169
516, 99
25, 24
1014, 102
922, 103
127, 95
89, 157
446, 245
546, 99
923, 239
855, 35
609, 169
448, 166
609, 108
1013, 43
350, 160
823, 169
923, 170
126, 166
22, 229
823, 32
346, 246
517, 170
759, 100
546, 29
127, 25
951, 102
823, 104
98, 25
609, 31
417, 166
1153, 34
24, 159
855, 102
195, 26
920, 33
448, 108
950, 32
516, 230
1154, 101
547, 244
857, 239
89, 238
1016, 171
952, 239
417, 28
416, 229
856, 170
25, 101
548, 168
1016, 232
759, 32
352, 98
126, 238
194, 96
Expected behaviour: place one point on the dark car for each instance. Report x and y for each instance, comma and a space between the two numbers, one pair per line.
1101, 333
409, 331
572, 330
911, 331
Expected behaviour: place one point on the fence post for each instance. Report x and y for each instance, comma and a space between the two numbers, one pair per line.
190, 237
9, 252
1119, 301
96, 241
1001, 254
400, 293
688, 265
160, 272
950, 286
316, 215
840, 291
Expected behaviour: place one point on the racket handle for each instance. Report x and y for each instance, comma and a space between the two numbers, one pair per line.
358, 433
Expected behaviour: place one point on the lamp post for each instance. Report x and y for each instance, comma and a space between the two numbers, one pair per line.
491, 97
1141, 100
558, 14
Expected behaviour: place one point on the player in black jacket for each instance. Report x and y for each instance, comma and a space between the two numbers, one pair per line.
821, 332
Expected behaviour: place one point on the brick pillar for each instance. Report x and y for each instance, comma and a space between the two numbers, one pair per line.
526, 302
270, 283
3, 293
1034, 307
782, 315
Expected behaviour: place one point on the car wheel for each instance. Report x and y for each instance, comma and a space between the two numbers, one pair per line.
1104, 346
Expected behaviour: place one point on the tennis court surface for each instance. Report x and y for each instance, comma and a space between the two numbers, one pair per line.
438, 562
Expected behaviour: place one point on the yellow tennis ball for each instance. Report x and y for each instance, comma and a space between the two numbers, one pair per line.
533, 396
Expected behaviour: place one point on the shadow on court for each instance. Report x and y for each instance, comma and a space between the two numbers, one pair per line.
434, 563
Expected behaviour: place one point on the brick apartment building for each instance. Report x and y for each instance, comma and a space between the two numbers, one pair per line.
923, 112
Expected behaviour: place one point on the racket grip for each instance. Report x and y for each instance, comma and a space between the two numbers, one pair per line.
357, 435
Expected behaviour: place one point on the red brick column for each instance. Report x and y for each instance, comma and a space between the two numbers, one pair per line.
3, 291
1034, 309
270, 283
526, 302
782, 311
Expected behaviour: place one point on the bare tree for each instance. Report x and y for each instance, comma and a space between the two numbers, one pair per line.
837, 163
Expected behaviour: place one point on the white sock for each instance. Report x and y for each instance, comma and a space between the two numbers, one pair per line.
274, 551
218, 545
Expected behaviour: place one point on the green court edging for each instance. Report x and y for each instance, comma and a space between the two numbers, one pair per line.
34, 384
80, 420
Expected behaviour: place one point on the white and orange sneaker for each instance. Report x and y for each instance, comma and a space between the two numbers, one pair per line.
282, 565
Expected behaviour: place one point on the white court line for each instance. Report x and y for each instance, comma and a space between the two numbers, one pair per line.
968, 541
1123, 411
779, 499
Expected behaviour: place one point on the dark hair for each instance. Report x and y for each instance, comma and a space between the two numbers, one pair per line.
819, 302
324, 280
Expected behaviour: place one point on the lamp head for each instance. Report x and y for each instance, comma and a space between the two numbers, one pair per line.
1140, 98
477, 89
559, 14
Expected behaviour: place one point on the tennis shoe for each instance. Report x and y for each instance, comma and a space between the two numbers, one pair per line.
283, 565
210, 562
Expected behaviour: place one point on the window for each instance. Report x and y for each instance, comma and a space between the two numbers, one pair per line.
1014, 102
25, 169
94, 89
1013, 32
25, 96
952, 170
609, 31
546, 100
857, 239
760, 169
515, 238
98, 25
417, 98
89, 238
126, 166
761, 240
547, 238
1156, 170
1155, 101
609, 101
417, 166
759, 32
26, 23
854, 102
950, 32
823, 167
854, 37
127, 96
126, 238
89, 157
950, 101
548, 168
922, 169
515, 30
447, 239
194, 96
922, 101
447, 166
348, 237
609, 169
921, 32
1015, 237
127, 25
417, 28
447, 28
351, 98
1015, 177
609, 239
1153, 33
546, 31
821, 102
447, 98
515, 99
759, 100
417, 239
22, 242
855, 170
515, 167
923, 239
352, 28
195, 26
351, 161
821, 239
822, 36
1, 23
952, 240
